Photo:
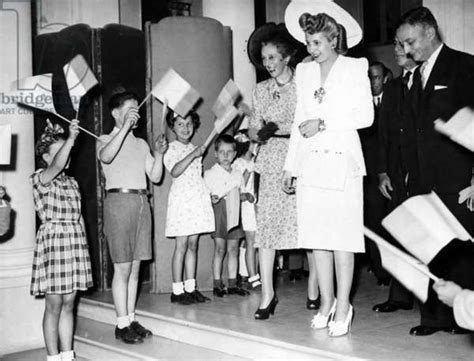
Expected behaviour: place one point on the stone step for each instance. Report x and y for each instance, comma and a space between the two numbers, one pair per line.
95, 340
220, 339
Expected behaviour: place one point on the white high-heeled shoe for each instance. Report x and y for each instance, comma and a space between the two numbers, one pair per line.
320, 321
341, 328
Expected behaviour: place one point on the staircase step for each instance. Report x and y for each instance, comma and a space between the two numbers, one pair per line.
224, 340
96, 341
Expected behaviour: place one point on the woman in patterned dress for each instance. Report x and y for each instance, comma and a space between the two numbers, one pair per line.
61, 264
271, 48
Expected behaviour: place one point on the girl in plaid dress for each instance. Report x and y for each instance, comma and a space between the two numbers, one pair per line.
61, 264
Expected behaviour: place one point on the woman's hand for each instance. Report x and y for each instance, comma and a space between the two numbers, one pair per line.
73, 130
286, 181
310, 127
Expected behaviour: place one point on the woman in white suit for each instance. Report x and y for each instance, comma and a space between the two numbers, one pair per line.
325, 155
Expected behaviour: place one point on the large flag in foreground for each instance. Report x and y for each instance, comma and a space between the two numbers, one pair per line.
460, 128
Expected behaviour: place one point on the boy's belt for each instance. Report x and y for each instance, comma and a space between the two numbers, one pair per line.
127, 190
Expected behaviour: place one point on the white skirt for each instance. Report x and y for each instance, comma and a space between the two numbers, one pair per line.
329, 219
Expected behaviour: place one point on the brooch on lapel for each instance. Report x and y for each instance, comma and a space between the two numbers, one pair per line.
276, 95
319, 94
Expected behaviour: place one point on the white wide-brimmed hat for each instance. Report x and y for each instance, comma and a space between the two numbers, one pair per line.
296, 8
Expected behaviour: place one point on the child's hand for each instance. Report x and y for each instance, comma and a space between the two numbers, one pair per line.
247, 197
73, 130
199, 151
446, 291
2, 192
214, 199
161, 144
131, 118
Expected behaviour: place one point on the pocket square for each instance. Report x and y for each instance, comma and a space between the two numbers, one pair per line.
439, 87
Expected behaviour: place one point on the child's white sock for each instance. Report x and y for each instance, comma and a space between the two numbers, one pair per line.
53, 357
242, 265
67, 355
178, 288
190, 285
123, 322
131, 317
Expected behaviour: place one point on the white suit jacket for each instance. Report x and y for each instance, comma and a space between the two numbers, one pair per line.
346, 107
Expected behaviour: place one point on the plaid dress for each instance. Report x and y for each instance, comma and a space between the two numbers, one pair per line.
61, 261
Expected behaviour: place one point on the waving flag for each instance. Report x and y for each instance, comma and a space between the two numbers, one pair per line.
35, 91
226, 98
460, 128
176, 92
80, 79
221, 123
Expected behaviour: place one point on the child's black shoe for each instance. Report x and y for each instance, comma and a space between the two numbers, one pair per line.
182, 299
219, 291
128, 335
198, 296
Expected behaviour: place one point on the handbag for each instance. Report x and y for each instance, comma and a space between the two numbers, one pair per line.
324, 168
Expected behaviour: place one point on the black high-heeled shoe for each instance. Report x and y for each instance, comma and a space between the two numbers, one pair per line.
264, 313
313, 304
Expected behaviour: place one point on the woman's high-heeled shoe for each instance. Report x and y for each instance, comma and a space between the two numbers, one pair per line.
264, 313
320, 321
341, 328
313, 304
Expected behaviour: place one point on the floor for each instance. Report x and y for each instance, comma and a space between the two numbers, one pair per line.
374, 336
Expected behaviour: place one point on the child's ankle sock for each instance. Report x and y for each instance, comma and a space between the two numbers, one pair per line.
254, 278
218, 283
178, 288
232, 282
67, 355
190, 285
131, 317
123, 322
53, 357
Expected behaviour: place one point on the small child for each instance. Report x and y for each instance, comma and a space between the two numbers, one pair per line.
246, 166
61, 264
189, 206
222, 179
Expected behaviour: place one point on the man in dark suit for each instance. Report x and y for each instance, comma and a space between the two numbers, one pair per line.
443, 84
395, 142
375, 206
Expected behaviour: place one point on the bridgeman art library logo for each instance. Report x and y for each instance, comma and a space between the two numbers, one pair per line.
36, 91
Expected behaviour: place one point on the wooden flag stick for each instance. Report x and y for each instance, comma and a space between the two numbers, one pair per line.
210, 138
163, 117
81, 128
400, 254
144, 100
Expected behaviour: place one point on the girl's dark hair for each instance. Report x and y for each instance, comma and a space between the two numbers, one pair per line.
224, 139
323, 23
51, 134
171, 118
243, 143
120, 97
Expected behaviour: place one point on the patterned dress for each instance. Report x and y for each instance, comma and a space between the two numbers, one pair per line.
61, 261
276, 210
189, 202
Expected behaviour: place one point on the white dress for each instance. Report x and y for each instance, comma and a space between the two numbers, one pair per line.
189, 202
249, 220
331, 219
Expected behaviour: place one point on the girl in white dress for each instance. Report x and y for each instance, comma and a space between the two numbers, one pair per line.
324, 152
189, 207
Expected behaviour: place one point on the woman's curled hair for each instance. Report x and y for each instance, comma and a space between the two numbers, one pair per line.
323, 23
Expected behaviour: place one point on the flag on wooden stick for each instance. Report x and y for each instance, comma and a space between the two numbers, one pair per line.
460, 128
5, 143
226, 98
173, 90
221, 123
424, 225
80, 79
409, 271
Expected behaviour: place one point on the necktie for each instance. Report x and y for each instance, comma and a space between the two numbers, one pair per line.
405, 81
422, 73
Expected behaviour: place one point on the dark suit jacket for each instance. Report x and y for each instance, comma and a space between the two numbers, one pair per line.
442, 165
368, 140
